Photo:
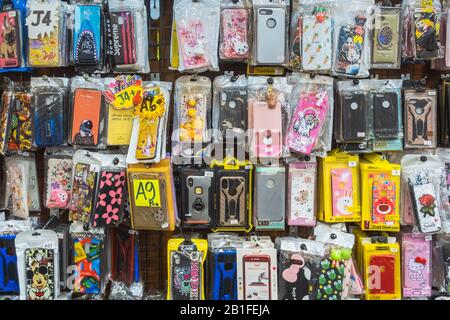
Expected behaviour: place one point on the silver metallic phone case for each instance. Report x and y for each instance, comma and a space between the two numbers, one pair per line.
198, 199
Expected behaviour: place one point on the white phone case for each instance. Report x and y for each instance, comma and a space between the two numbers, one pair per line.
270, 35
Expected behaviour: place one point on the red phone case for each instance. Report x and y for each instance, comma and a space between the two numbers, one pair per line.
385, 263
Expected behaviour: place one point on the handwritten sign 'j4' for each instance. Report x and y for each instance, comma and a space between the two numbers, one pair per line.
124, 92
146, 193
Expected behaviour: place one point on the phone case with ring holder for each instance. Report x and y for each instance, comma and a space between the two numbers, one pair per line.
385, 37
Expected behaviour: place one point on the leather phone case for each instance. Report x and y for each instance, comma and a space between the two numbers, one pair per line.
385, 115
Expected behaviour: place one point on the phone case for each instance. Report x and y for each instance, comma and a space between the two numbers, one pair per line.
385, 115
257, 277
331, 278
192, 117
301, 199
317, 41
426, 33
307, 121
295, 57
232, 198
270, 35
59, 183
8, 265
40, 274
420, 108
87, 255
384, 266
124, 42
234, 30
350, 47
17, 188
354, 117
416, 266
49, 120
224, 278
342, 193
86, 116
10, 39
383, 201
87, 34
267, 125
5, 119
386, 37
197, 191
83, 192
192, 43
233, 111
125, 255
21, 128
120, 126
147, 139
108, 205
425, 206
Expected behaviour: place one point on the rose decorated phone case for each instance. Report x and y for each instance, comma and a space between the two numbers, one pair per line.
385, 39
192, 43
257, 277
10, 48
342, 191
307, 122
87, 35
384, 266
40, 274
385, 115
267, 125
124, 42
354, 117
86, 113
383, 201
420, 109
234, 30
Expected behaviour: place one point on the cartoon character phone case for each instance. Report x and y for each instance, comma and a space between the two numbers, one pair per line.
301, 194
192, 43
233, 111
124, 42
317, 40
192, 117
10, 35
49, 125
385, 38
59, 183
87, 109
234, 25
307, 122
354, 117
83, 191
342, 191
186, 271
416, 266
87, 254
16, 193
420, 108
87, 35
40, 274
426, 35
21, 129
350, 47
331, 278
257, 277
385, 115
383, 201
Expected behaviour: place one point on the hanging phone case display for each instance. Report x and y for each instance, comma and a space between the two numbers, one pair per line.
58, 178
444, 156
87, 36
49, 105
382, 269
416, 265
351, 42
380, 194
11, 30
270, 30
197, 197
269, 198
197, 27
441, 263
5, 114
257, 270
385, 35
38, 264
301, 193
8, 259
230, 108
420, 118
62, 231
47, 33
125, 255
298, 267
127, 36
295, 36
233, 192
148, 137
339, 199
191, 119
234, 39
17, 196
152, 196
425, 176
268, 113
88, 258
87, 111
21, 126
222, 271
185, 267
311, 119
443, 110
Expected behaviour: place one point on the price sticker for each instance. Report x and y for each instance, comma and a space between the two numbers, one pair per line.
146, 193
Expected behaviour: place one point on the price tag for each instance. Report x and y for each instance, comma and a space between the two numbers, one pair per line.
395, 172
42, 19
209, 174
146, 193
94, 168
124, 92
352, 164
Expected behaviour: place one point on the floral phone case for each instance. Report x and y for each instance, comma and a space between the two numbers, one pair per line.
83, 191
301, 194
234, 28
342, 191
59, 183
40, 274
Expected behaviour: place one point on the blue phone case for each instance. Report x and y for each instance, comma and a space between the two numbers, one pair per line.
9, 281
87, 34
224, 284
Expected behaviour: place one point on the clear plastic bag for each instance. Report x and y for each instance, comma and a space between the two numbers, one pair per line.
444, 156
197, 26
17, 184
21, 129
351, 39
311, 119
5, 113
441, 263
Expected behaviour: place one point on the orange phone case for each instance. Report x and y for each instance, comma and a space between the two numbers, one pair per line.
87, 105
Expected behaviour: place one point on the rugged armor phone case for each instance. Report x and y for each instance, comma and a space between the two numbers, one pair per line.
353, 117
420, 118
10, 45
224, 277
385, 115
86, 116
40, 274
233, 111
124, 42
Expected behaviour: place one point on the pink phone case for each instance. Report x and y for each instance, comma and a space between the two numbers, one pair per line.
193, 45
266, 124
307, 122
342, 191
234, 43
416, 266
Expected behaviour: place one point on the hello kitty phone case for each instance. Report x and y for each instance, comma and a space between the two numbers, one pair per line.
301, 206
234, 26
342, 191
192, 42
307, 122
416, 266
383, 201
267, 127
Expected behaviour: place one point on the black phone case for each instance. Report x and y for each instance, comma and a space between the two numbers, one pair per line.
233, 113
385, 115
354, 117
123, 29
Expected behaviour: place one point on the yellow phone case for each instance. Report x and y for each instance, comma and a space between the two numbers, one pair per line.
120, 125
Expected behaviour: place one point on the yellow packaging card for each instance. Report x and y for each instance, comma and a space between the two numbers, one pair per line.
120, 125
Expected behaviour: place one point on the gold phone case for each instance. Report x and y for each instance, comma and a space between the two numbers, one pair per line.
386, 37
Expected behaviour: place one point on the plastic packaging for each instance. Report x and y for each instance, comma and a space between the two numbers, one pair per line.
125, 256
197, 26
441, 263
444, 156
6, 113
21, 116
